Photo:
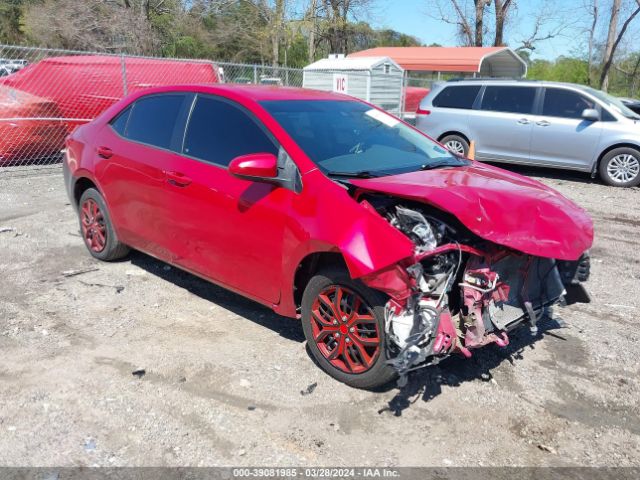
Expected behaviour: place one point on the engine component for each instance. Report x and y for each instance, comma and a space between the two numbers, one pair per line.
426, 235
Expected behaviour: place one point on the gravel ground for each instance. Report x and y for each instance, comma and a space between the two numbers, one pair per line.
228, 382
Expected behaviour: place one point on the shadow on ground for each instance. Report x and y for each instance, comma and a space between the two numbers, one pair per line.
553, 173
426, 384
288, 328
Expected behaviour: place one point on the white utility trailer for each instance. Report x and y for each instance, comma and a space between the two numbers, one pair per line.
377, 80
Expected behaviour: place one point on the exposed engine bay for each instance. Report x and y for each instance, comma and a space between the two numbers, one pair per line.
465, 292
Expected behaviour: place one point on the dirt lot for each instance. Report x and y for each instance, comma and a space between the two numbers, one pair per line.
229, 383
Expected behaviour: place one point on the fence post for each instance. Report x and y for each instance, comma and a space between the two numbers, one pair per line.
255, 74
125, 89
403, 94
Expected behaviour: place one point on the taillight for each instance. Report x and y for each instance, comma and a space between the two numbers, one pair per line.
421, 111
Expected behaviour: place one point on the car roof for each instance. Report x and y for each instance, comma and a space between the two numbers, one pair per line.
256, 93
511, 81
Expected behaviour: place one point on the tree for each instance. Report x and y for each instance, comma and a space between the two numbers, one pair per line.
336, 18
501, 8
10, 17
470, 22
613, 40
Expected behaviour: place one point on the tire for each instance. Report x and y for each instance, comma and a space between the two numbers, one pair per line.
621, 167
356, 336
96, 228
456, 144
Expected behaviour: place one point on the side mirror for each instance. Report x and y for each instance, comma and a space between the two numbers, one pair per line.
590, 114
256, 167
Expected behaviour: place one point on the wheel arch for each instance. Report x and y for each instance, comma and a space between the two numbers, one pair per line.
309, 266
81, 185
454, 132
634, 146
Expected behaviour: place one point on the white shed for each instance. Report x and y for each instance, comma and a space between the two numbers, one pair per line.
377, 80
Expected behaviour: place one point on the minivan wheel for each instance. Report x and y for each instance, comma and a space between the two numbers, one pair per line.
456, 144
621, 167
96, 228
343, 322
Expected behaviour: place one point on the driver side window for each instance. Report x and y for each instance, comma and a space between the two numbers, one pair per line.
218, 131
564, 103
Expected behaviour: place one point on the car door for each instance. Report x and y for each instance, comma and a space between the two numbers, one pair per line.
134, 154
502, 123
222, 227
561, 137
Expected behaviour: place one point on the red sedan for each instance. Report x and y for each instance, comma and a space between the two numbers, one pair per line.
394, 252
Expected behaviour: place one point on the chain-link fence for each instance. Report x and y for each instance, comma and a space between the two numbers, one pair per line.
46, 93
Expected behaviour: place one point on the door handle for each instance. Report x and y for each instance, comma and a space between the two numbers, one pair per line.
177, 179
523, 121
104, 152
543, 123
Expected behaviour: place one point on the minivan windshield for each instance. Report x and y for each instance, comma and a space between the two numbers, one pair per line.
352, 139
613, 102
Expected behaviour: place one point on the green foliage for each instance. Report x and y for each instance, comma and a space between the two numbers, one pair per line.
563, 69
11, 21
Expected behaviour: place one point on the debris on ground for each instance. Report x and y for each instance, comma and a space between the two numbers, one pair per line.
547, 448
89, 445
7, 229
119, 288
139, 372
309, 390
73, 273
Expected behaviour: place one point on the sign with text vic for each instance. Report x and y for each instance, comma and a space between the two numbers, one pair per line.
340, 83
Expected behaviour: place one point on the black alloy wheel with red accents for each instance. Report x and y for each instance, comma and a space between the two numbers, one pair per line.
343, 322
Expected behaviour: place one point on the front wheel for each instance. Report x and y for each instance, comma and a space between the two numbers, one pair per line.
343, 322
621, 167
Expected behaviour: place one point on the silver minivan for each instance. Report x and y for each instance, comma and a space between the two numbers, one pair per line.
539, 123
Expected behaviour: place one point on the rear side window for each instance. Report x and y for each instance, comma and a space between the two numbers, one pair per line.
508, 99
564, 103
219, 131
152, 119
461, 96
119, 123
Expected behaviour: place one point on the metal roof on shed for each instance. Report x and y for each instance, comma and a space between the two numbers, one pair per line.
491, 61
351, 63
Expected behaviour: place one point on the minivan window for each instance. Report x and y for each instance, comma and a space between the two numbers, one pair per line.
508, 99
563, 103
460, 96
153, 118
219, 131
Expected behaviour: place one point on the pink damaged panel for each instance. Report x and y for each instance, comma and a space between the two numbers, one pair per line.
502, 207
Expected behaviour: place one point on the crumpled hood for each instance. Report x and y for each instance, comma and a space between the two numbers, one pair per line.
499, 206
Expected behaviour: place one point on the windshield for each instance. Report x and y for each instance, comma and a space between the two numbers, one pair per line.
612, 102
354, 139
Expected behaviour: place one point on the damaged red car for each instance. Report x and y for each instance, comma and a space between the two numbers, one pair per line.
394, 252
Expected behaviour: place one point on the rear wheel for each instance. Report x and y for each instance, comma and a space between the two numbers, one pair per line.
456, 144
621, 167
96, 228
343, 322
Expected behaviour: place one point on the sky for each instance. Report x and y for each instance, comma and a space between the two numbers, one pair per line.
411, 17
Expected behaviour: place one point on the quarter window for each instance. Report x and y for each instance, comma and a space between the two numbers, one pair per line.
564, 103
152, 119
462, 96
219, 131
119, 123
508, 99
